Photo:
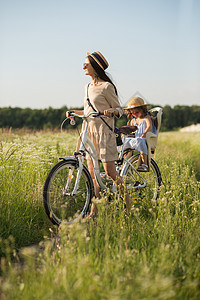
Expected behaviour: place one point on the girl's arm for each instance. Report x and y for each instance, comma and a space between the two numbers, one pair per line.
148, 128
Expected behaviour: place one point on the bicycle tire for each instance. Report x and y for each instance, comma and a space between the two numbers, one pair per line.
135, 180
59, 204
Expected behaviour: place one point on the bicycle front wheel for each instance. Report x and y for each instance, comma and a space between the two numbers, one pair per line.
65, 199
142, 184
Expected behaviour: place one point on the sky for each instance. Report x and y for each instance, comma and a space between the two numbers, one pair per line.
152, 46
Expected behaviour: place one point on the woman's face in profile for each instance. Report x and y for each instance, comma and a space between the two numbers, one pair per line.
87, 67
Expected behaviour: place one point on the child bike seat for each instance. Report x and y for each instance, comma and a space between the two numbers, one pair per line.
152, 138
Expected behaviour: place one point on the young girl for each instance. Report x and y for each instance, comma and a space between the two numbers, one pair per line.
139, 116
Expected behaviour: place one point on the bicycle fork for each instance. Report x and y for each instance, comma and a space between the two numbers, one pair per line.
71, 177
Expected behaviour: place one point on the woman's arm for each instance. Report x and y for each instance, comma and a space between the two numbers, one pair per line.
115, 107
78, 112
111, 112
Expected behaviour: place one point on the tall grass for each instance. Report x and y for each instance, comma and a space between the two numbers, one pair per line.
152, 254
25, 161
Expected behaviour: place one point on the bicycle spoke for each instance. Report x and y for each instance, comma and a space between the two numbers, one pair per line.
59, 201
141, 185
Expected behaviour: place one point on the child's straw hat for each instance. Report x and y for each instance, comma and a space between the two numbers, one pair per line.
135, 102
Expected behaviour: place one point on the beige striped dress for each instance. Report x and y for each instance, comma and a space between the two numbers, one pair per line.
102, 97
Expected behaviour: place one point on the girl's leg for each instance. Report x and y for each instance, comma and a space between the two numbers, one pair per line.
142, 147
97, 189
139, 160
110, 170
143, 163
144, 158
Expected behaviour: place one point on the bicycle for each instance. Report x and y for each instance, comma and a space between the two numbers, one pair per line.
69, 189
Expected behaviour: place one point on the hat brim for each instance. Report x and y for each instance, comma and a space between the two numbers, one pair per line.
135, 106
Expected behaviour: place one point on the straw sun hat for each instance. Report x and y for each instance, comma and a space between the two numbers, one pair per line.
135, 102
99, 58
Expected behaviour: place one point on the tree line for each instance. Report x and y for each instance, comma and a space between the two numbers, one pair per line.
173, 118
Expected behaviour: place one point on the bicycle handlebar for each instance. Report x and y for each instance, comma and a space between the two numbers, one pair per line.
73, 114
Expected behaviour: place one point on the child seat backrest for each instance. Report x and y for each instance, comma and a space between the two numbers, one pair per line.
152, 138
157, 118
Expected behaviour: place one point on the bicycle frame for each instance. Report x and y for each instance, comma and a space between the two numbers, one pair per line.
85, 141
93, 154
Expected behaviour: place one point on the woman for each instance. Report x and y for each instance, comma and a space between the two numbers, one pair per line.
103, 97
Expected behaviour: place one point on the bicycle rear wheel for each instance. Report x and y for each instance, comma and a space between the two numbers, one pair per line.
59, 202
142, 184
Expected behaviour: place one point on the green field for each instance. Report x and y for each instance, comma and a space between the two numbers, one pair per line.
152, 254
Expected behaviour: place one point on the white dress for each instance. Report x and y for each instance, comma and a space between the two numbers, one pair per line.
137, 142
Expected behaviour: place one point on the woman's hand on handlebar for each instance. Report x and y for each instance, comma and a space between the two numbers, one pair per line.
70, 117
78, 112
68, 114
110, 112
